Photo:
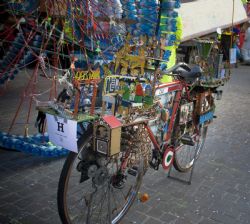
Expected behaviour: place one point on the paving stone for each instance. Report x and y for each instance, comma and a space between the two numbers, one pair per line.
31, 219
182, 220
208, 221
225, 219
46, 213
155, 212
136, 217
152, 221
193, 217
25, 202
10, 198
167, 218
141, 207
4, 219
12, 211
230, 197
34, 207
244, 218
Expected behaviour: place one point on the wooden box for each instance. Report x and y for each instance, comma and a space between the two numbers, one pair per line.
107, 135
204, 102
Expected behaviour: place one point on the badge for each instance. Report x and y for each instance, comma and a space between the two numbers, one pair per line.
168, 158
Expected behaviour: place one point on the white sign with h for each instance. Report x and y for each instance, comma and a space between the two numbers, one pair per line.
62, 132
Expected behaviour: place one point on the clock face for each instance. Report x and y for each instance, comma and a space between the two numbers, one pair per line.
101, 132
102, 146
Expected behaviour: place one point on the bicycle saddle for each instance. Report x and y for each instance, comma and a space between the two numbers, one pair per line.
184, 71
187, 73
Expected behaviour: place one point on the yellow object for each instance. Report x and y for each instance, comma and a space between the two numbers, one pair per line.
68, 30
115, 141
179, 32
166, 79
172, 59
87, 75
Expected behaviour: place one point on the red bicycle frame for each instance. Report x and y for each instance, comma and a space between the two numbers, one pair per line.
178, 87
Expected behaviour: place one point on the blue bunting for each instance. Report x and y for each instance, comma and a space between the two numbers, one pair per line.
35, 144
27, 57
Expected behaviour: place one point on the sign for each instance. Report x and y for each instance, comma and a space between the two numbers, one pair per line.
87, 75
233, 56
62, 132
206, 117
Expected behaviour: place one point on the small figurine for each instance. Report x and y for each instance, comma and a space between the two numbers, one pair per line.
137, 61
132, 92
134, 72
125, 102
138, 92
84, 99
40, 121
121, 54
106, 71
148, 98
64, 96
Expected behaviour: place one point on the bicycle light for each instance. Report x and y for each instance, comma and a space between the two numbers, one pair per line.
107, 135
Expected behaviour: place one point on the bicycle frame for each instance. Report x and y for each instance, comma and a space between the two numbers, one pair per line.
177, 87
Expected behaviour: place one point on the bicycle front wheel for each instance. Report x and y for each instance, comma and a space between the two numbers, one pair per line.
185, 155
92, 190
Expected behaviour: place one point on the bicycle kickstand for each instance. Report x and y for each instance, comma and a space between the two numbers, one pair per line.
189, 180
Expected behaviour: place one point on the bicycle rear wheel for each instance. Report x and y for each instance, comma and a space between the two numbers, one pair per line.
92, 190
185, 155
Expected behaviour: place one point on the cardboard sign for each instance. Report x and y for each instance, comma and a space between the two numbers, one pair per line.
62, 132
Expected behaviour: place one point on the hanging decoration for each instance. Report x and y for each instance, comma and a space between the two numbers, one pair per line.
101, 58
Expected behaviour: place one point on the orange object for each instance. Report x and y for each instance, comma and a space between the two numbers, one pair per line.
144, 197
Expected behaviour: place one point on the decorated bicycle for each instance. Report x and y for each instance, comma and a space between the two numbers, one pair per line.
124, 104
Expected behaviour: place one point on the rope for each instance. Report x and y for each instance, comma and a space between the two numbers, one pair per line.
34, 79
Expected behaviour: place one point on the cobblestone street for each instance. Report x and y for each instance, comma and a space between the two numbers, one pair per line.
219, 193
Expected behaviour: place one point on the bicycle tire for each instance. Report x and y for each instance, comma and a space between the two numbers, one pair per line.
63, 186
185, 163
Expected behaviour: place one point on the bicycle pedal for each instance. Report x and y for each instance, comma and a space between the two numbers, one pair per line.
154, 165
186, 139
133, 171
